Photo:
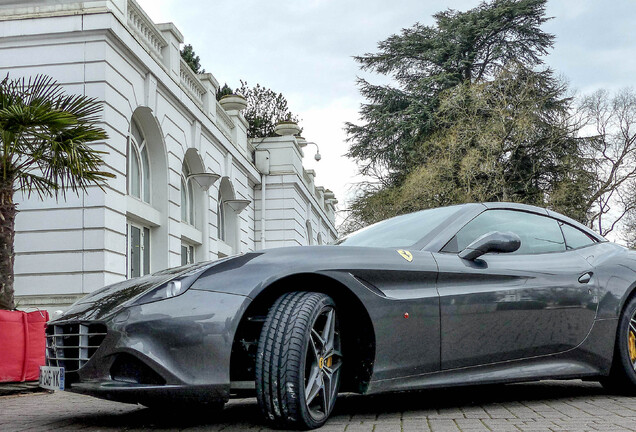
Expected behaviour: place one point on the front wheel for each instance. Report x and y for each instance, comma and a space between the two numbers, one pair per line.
299, 360
622, 377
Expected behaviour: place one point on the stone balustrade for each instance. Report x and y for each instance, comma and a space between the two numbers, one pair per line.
224, 122
143, 27
190, 81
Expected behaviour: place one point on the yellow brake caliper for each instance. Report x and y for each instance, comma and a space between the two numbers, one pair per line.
632, 346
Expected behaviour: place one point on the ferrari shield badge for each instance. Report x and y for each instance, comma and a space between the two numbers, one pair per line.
405, 254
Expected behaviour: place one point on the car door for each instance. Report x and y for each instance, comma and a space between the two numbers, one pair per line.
536, 301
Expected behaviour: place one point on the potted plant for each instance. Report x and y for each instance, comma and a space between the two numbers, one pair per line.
287, 127
233, 102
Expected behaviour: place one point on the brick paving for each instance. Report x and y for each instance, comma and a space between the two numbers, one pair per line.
542, 406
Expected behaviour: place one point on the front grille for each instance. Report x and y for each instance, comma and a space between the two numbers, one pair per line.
71, 345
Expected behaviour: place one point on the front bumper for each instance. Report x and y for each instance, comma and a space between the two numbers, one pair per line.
178, 348
149, 395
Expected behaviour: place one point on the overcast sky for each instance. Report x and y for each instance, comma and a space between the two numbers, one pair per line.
304, 49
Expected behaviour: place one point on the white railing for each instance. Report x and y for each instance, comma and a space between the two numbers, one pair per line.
191, 82
152, 39
224, 122
145, 29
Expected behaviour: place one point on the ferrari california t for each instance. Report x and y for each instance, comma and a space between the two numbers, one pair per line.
474, 293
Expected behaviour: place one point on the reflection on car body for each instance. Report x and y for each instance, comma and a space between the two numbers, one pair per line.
476, 293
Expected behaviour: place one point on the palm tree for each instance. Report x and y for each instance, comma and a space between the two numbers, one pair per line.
44, 137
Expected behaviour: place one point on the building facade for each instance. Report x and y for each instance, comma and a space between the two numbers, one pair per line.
189, 184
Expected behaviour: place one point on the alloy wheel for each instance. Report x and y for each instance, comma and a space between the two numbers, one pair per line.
323, 363
631, 340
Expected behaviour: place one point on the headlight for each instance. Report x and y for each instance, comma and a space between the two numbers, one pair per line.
174, 288
170, 289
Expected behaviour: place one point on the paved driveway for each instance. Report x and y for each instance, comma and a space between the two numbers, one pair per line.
544, 406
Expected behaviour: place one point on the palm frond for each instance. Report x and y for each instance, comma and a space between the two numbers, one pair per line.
45, 137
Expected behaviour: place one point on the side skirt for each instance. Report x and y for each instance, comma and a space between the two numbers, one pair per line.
592, 358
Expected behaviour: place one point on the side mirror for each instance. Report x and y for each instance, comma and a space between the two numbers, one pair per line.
492, 242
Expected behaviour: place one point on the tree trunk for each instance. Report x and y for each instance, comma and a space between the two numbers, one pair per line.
7, 235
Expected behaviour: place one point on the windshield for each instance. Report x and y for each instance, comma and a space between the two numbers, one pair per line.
401, 231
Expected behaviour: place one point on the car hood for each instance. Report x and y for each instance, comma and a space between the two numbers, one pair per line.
112, 298
248, 274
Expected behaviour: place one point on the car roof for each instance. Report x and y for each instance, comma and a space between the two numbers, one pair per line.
515, 206
439, 236
541, 210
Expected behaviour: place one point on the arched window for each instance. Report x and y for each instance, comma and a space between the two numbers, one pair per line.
320, 242
220, 217
227, 220
310, 233
138, 165
187, 196
148, 201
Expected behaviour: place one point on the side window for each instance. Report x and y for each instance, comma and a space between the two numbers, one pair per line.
539, 234
575, 238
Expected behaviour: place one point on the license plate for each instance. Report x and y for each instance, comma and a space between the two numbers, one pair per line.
52, 378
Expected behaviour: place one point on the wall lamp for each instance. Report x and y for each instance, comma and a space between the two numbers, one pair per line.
204, 180
317, 156
238, 205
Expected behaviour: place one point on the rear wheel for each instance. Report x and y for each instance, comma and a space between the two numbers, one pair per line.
299, 360
622, 377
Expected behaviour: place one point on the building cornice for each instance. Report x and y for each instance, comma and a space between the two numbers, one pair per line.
148, 39
301, 187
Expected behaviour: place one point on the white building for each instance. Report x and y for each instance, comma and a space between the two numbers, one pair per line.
168, 135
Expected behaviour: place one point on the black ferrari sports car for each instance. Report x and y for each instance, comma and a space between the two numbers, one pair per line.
474, 293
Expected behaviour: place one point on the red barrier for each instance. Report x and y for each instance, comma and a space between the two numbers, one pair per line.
22, 345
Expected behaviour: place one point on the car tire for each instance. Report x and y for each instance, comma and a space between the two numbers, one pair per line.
299, 361
622, 376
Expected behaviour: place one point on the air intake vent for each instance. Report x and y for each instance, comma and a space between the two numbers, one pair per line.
71, 345
127, 368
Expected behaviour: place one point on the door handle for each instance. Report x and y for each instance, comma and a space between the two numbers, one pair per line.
585, 278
